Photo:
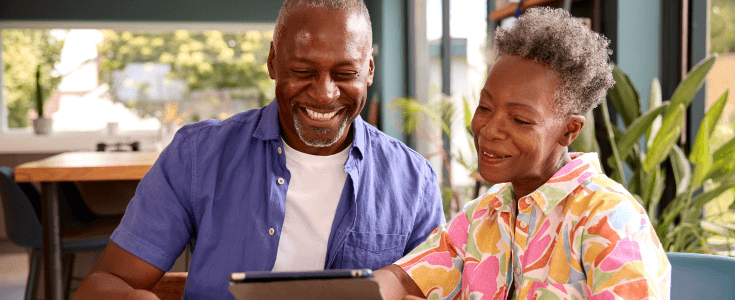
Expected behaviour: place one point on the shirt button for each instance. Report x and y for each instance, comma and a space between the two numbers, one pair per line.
518, 271
281, 181
280, 150
271, 231
524, 224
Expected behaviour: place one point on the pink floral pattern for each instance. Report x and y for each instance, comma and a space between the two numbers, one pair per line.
579, 236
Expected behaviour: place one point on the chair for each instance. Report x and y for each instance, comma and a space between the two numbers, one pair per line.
701, 276
24, 229
171, 286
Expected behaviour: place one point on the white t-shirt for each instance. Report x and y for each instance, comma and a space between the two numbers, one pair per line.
311, 202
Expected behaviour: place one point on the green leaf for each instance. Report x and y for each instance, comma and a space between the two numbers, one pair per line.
654, 101
725, 152
625, 97
586, 141
681, 168
636, 130
467, 117
659, 184
715, 111
685, 91
617, 172
665, 139
701, 156
706, 197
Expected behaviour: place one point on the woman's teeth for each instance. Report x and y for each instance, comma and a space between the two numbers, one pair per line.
320, 116
491, 155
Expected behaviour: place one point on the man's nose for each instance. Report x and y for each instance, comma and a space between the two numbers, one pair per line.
325, 90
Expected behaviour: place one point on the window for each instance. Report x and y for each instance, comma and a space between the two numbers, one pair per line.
140, 78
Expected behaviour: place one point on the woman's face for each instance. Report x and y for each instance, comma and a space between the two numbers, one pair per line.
518, 135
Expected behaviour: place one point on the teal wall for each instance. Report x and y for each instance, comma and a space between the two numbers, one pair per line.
389, 20
639, 43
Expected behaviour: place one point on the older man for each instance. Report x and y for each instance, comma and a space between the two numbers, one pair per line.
301, 184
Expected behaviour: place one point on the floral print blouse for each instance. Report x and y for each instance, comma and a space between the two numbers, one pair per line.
579, 236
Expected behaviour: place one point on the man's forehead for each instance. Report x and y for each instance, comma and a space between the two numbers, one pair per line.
309, 22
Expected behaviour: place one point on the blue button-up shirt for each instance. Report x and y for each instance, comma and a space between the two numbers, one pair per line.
218, 185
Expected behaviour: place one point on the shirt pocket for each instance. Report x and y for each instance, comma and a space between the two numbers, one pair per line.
568, 291
372, 250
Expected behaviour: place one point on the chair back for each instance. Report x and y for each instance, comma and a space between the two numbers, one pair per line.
701, 276
171, 286
21, 222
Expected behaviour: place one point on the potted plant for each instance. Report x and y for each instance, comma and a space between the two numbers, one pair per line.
42, 124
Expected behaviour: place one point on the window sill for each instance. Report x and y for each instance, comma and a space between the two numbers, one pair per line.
25, 141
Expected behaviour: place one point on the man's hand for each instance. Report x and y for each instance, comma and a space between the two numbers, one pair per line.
395, 284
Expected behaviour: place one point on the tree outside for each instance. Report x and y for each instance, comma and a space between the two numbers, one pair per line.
23, 51
212, 64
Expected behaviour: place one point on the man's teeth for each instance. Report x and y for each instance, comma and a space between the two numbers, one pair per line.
320, 116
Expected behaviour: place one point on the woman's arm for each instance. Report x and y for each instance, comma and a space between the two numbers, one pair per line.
395, 284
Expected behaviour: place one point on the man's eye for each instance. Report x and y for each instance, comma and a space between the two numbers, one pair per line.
303, 72
519, 121
347, 74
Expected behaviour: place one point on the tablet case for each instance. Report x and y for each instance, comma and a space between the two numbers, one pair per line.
315, 289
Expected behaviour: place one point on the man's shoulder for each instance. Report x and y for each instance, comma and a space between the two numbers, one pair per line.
235, 122
383, 145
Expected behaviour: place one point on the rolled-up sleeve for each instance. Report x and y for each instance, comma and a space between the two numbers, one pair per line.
158, 221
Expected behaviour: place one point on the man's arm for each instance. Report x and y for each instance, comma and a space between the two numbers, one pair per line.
118, 274
396, 284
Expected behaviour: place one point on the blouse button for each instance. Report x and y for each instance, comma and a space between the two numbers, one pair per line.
524, 224
281, 181
518, 271
528, 200
271, 231
280, 150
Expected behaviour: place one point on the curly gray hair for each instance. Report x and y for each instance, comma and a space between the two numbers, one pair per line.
353, 6
553, 37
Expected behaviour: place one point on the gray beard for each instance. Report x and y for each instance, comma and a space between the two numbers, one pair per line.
319, 142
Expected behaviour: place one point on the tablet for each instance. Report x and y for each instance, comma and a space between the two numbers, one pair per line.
327, 284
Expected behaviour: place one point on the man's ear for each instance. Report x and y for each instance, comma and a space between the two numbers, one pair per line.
271, 62
371, 71
572, 127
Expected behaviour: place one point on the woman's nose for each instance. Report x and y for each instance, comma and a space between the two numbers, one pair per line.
494, 128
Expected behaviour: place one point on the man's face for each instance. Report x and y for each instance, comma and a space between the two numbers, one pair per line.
322, 65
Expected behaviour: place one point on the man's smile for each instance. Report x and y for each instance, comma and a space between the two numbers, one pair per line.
320, 116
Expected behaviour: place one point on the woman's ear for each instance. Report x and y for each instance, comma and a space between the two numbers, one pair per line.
572, 127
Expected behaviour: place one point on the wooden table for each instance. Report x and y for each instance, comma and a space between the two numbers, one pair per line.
74, 166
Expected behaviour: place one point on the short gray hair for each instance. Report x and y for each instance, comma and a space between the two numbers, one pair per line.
553, 37
351, 6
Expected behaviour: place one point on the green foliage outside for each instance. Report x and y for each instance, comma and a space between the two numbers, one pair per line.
722, 26
205, 60
703, 175
441, 111
24, 50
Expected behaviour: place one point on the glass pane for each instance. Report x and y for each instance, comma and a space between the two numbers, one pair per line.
137, 80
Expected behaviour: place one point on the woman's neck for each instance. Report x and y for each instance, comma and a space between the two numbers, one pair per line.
523, 187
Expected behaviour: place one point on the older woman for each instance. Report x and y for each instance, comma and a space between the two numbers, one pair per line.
553, 225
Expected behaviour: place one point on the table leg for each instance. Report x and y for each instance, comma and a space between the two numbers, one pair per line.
51, 240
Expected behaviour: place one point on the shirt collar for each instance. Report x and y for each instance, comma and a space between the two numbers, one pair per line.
563, 183
269, 127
